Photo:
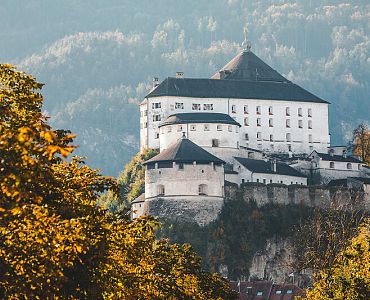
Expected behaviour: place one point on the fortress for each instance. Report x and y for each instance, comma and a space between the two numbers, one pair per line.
246, 124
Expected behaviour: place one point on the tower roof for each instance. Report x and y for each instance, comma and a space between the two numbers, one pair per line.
247, 66
185, 151
186, 118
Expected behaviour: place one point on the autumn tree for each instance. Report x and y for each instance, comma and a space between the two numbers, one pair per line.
348, 277
55, 242
318, 240
361, 143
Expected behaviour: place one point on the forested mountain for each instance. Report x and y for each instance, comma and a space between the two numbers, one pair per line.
97, 58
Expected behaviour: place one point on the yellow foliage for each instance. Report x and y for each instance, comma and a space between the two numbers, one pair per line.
55, 242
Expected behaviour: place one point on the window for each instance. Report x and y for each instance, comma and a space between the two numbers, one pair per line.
196, 106
207, 106
193, 127
309, 112
258, 121
156, 105
233, 108
145, 113
331, 165
215, 142
259, 136
271, 123
349, 166
258, 110
219, 127
309, 124
243, 180
230, 128
310, 138
160, 190
287, 111
206, 127
258, 180
278, 292
287, 123
289, 292
246, 137
259, 293
156, 118
270, 110
289, 148
300, 123
359, 166
169, 128
145, 124
246, 122
264, 181
300, 112
271, 138
202, 189
181, 166
270, 180
156, 135
288, 137
310, 148
245, 109
179, 105
179, 128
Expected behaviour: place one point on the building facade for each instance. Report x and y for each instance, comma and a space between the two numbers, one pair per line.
275, 114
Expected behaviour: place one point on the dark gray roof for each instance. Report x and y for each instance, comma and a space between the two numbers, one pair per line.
185, 151
328, 157
365, 180
247, 66
199, 118
139, 199
245, 77
239, 89
261, 166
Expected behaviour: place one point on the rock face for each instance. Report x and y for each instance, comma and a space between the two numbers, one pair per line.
189, 209
274, 263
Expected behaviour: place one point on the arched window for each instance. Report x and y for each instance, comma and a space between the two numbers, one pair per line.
160, 190
202, 190
349, 166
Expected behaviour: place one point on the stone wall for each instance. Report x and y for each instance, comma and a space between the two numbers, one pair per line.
200, 210
313, 196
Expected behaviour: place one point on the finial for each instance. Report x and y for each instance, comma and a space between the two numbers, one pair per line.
246, 45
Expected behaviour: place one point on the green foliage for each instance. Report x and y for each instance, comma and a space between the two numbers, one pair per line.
238, 233
131, 183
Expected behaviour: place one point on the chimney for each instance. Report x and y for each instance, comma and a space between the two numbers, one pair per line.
155, 82
273, 165
179, 74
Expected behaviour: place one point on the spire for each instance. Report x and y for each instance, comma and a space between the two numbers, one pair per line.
246, 45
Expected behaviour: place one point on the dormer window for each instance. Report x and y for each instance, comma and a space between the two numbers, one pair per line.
179, 105
207, 106
196, 106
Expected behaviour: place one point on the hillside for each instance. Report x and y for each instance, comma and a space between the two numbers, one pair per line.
97, 59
